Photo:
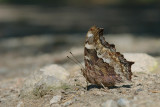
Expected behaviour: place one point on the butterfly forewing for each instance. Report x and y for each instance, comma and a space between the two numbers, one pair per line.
103, 65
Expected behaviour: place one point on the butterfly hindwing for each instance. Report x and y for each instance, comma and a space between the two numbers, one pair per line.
103, 65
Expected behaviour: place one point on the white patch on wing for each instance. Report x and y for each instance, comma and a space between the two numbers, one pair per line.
89, 34
116, 66
88, 46
86, 57
107, 60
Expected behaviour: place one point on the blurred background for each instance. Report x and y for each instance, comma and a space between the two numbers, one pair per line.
38, 33
27, 17
34, 33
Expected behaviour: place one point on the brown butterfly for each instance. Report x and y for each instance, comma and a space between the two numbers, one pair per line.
103, 65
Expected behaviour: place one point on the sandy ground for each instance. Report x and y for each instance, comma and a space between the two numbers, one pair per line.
18, 61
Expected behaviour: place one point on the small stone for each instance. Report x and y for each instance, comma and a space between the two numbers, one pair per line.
54, 105
55, 99
20, 104
45, 80
140, 89
56, 71
82, 92
109, 103
137, 91
123, 102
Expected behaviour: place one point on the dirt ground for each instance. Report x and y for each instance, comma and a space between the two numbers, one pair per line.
18, 61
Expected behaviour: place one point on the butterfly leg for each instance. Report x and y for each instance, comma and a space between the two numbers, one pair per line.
87, 85
104, 87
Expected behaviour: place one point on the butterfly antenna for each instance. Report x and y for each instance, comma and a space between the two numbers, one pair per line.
74, 61
77, 60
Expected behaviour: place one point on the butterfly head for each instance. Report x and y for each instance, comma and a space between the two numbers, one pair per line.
96, 30
93, 34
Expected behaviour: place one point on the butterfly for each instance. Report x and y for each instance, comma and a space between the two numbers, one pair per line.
103, 65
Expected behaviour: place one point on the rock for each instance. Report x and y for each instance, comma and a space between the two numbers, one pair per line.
20, 104
143, 62
56, 71
138, 90
46, 79
55, 99
123, 102
54, 105
109, 103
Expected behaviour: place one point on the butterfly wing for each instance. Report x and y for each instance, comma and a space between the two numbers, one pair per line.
103, 65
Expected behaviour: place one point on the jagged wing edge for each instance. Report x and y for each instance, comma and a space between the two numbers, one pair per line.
118, 54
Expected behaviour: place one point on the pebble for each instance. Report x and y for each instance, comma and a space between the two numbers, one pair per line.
56, 71
123, 102
39, 83
20, 104
55, 99
140, 89
54, 105
109, 103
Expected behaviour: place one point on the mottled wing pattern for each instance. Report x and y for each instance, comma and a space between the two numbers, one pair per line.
103, 65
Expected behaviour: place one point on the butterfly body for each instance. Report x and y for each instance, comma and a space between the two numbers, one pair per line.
103, 65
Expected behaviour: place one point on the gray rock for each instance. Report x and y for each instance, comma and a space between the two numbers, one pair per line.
54, 105
55, 99
46, 79
143, 62
123, 102
109, 103
56, 71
